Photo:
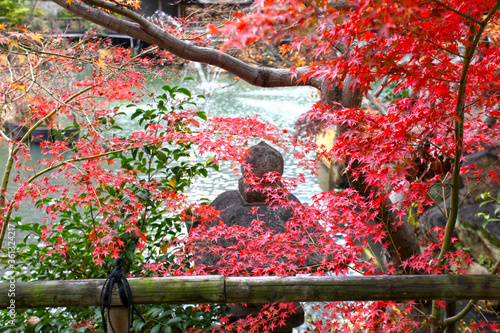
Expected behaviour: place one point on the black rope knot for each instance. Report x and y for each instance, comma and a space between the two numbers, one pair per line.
116, 277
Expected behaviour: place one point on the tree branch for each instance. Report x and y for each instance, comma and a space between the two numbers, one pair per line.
138, 27
474, 38
468, 17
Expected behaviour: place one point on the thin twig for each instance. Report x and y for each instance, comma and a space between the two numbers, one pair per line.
458, 12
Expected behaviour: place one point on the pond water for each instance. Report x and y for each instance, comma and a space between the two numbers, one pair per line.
278, 106
226, 97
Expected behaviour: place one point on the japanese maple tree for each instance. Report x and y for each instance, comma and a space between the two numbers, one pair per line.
440, 60
103, 191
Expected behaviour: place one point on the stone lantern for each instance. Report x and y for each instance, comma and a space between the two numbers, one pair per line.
239, 207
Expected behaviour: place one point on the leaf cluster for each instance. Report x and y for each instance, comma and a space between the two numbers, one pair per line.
136, 214
16, 11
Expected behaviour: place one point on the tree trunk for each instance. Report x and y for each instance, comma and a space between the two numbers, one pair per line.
402, 239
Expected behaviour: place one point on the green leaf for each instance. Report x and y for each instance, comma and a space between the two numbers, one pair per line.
161, 156
484, 203
202, 115
136, 114
161, 106
139, 326
485, 195
130, 255
34, 247
184, 91
174, 320
154, 311
156, 328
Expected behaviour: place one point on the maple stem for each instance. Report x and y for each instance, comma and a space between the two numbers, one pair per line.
475, 36
55, 166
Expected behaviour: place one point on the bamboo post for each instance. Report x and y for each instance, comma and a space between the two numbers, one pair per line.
118, 316
275, 289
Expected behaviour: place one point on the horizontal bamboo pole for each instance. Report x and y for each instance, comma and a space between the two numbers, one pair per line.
361, 288
179, 290
217, 289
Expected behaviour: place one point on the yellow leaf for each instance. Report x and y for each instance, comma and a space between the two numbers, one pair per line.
36, 37
104, 53
13, 44
164, 248
101, 64
171, 182
18, 86
69, 2
2, 26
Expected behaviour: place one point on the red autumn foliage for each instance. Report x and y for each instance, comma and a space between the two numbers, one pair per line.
438, 59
